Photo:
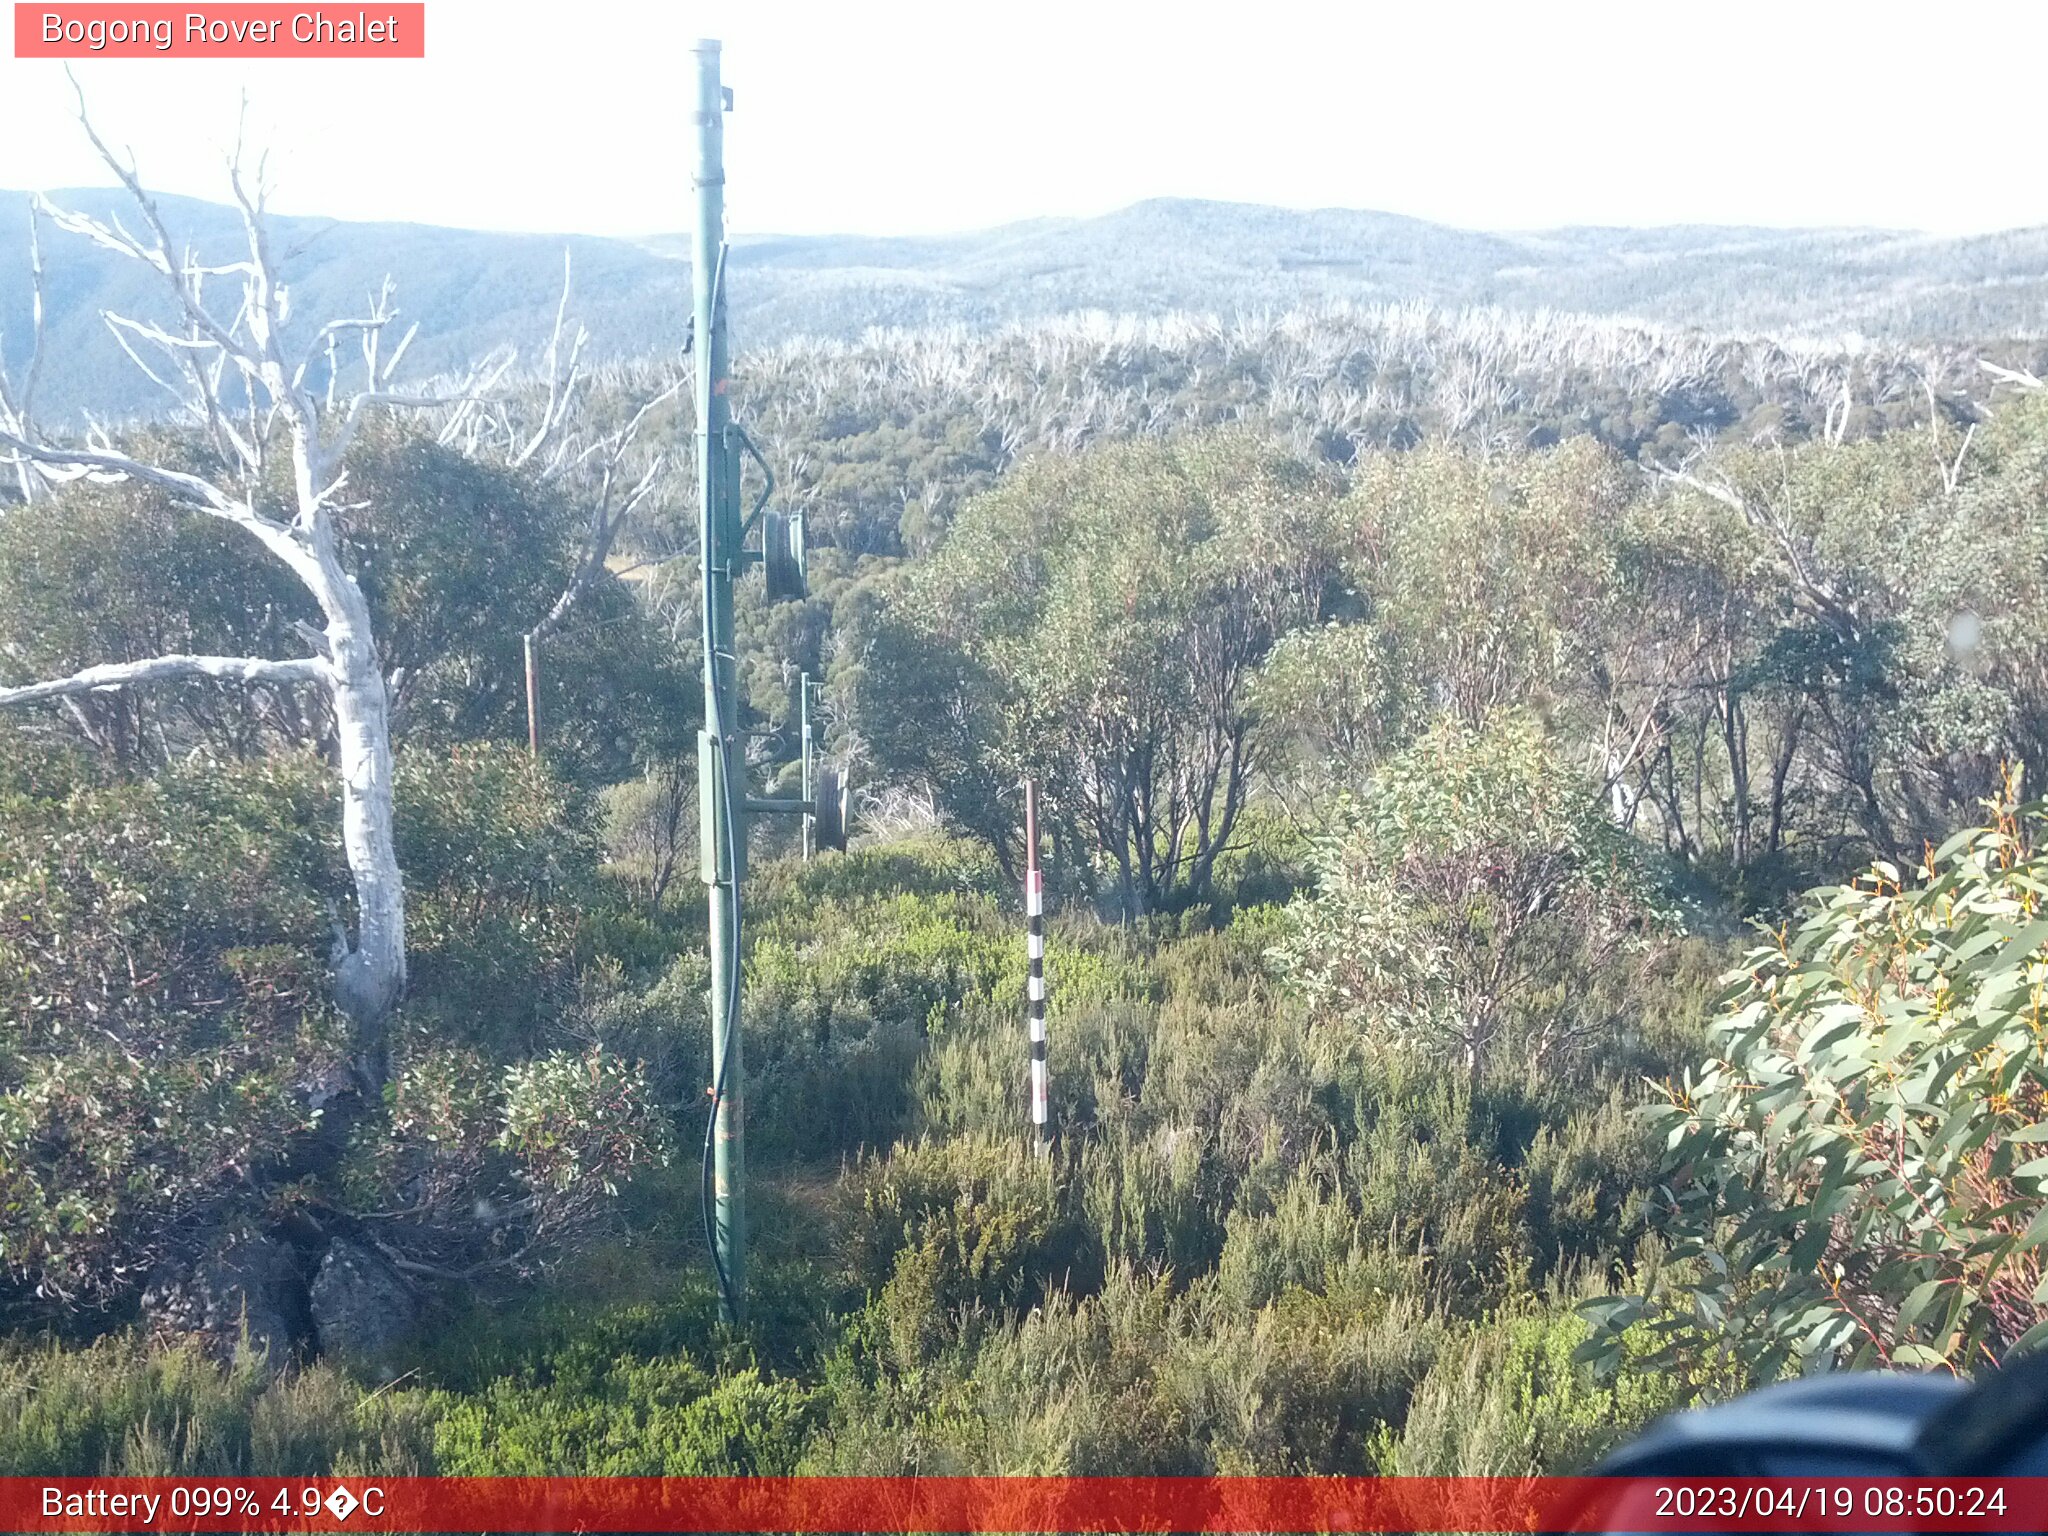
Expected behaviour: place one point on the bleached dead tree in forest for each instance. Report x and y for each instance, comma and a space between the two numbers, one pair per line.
1822, 596
228, 367
17, 402
548, 436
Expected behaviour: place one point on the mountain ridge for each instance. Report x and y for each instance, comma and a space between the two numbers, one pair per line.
472, 290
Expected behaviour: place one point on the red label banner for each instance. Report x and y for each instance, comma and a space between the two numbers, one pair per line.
977, 1504
234, 31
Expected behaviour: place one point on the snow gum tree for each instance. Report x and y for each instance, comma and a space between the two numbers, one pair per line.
276, 418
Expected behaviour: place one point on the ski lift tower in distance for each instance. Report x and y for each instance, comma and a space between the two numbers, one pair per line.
722, 800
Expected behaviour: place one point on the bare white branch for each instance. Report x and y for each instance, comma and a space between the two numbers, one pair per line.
607, 514
1820, 595
107, 465
2018, 376
164, 669
118, 329
561, 386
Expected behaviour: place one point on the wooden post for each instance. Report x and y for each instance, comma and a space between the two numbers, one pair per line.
1034, 923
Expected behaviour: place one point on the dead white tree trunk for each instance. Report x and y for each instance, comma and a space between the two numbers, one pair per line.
234, 380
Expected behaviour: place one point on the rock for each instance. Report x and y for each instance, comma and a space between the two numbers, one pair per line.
243, 1278
362, 1308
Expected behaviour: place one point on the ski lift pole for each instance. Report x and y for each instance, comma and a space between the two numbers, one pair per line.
723, 804
804, 716
1034, 943
722, 825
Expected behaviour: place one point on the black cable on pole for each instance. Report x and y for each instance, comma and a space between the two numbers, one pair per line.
707, 1193
724, 1065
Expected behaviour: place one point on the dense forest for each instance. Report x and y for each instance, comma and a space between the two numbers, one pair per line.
1544, 911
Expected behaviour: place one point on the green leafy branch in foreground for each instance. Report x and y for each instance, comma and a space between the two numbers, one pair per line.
1857, 1177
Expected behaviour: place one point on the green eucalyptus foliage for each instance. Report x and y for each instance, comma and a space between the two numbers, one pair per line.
1475, 903
160, 1009
1333, 699
1095, 621
169, 1061
1491, 578
457, 559
1853, 1177
500, 862
1346, 1107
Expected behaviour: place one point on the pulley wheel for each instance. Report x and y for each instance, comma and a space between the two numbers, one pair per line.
782, 556
833, 813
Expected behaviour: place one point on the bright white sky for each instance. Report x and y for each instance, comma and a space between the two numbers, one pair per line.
892, 117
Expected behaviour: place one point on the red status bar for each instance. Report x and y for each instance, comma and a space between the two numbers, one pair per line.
976, 1504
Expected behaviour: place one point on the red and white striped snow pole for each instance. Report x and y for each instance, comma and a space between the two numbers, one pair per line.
1034, 920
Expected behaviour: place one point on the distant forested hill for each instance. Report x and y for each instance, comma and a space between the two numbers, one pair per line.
472, 290
468, 290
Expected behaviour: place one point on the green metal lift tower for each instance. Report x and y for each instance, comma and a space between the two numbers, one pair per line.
722, 800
